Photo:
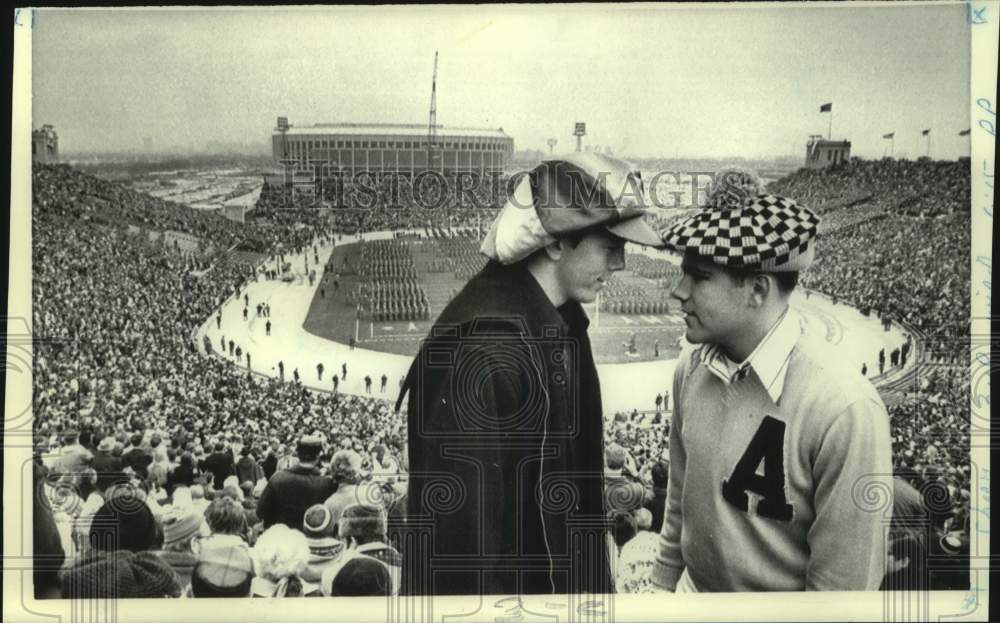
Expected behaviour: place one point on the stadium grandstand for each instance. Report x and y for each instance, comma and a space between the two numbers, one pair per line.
319, 151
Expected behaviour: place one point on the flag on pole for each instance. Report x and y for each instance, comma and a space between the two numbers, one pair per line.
927, 131
964, 133
889, 135
826, 107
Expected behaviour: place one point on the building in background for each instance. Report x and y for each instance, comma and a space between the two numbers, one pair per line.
44, 145
322, 150
822, 153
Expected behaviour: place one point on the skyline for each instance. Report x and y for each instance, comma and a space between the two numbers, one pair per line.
673, 81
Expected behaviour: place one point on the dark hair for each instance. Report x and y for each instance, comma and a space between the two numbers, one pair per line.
660, 473
308, 454
624, 527
136, 439
362, 577
786, 280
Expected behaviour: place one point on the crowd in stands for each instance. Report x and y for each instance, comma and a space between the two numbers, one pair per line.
118, 367
905, 269
169, 470
374, 203
920, 187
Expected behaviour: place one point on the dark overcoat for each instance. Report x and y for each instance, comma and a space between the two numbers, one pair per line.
505, 446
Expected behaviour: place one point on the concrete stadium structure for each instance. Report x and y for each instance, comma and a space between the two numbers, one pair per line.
318, 151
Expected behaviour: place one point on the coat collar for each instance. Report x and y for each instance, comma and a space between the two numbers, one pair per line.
532, 303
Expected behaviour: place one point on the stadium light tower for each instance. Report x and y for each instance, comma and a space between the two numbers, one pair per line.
579, 131
552, 143
432, 122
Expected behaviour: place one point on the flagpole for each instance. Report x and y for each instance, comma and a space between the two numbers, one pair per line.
892, 146
829, 129
928, 144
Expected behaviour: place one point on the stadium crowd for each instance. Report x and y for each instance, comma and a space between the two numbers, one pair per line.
184, 475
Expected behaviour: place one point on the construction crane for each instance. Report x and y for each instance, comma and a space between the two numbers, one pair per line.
432, 153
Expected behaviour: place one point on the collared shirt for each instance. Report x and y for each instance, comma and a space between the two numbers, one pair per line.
769, 359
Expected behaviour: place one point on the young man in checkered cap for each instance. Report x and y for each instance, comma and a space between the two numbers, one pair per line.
505, 426
776, 443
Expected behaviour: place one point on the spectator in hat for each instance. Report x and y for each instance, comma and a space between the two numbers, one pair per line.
772, 428
280, 555
120, 574
345, 469
324, 547
225, 571
621, 493
180, 530
290, 492
107, 466
551, 249
363, 527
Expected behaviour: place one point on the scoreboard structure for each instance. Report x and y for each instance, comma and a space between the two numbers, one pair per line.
323, 150
44, 145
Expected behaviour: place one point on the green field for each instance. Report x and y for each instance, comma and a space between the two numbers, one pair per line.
332, 316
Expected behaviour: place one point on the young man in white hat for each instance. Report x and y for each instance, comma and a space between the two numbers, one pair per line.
776, 443
505, 426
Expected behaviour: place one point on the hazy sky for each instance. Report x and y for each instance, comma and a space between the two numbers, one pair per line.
648, 81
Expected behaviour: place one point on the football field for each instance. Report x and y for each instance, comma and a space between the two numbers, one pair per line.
615, 337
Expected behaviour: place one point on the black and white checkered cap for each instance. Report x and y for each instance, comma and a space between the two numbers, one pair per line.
766, 232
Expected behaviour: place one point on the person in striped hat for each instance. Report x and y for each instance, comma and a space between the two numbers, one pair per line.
776, 442
504, 398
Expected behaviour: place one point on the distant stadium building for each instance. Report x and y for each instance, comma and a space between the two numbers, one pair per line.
44, 145
822, 153
321, 150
